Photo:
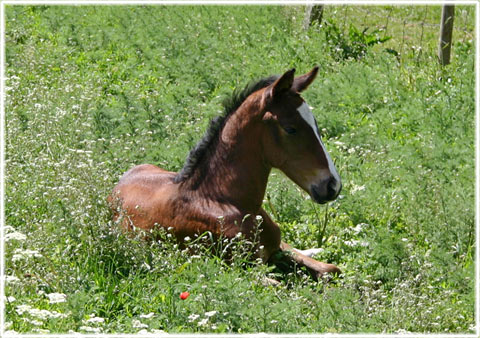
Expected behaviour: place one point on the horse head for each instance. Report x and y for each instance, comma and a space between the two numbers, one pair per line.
292, 142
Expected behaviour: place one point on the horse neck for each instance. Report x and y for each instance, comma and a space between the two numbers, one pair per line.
236, 172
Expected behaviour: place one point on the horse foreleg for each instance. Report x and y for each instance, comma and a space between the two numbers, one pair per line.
316, 268
278, 252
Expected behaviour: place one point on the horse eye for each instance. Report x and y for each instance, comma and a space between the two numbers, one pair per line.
290, 130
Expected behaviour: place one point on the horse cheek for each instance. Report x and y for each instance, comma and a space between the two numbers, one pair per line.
272, 147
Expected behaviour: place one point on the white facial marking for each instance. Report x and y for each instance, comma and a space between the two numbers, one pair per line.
307, 115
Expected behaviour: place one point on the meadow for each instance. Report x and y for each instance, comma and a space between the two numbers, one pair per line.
93, 90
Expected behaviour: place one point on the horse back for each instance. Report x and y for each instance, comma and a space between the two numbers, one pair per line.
147, 197
141, 195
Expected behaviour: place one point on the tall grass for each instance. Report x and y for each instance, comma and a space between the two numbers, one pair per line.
94, 90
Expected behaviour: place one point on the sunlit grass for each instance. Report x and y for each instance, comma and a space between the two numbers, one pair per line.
93, 90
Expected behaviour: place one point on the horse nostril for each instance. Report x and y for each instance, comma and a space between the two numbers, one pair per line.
317, 196
333, 188
331, 185
327, 190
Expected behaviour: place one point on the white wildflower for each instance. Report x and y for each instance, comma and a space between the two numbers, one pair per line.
11, 279
56, 297
351, 243
94, 320
38, 313
210, 313
193, 317
44, 314
10, 299
20, 254
15, 236
355, 242
147, 316
203, 322
356, 188
21, 309
35, 322
358, 228
91, 329
41, 331
8, 228
138, 324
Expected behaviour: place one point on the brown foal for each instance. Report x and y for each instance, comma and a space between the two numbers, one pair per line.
267, 125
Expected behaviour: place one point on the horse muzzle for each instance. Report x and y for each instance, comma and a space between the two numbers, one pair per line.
325, 191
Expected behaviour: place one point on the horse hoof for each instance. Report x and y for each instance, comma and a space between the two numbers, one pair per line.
328, 271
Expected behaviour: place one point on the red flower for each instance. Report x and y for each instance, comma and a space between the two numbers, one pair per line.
184, 295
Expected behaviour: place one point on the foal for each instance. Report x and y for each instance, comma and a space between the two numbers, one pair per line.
268, 125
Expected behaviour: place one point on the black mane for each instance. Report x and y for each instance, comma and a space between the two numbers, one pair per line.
210, 139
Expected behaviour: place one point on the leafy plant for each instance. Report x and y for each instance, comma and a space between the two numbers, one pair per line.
354, 44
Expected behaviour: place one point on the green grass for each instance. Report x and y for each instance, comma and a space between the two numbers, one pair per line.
93, 90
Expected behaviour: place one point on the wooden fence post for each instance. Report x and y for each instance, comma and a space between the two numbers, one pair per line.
312, 13
446, 29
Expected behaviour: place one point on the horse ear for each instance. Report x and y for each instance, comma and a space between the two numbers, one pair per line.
280, 86
302, 82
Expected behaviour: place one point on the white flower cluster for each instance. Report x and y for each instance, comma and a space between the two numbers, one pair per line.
20, 254
55, 297
38, 313
11, 234
355, 242
138, 324
355, 188
11, 279
204, 322
92, 319
147, 316
90, 329
210, 314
